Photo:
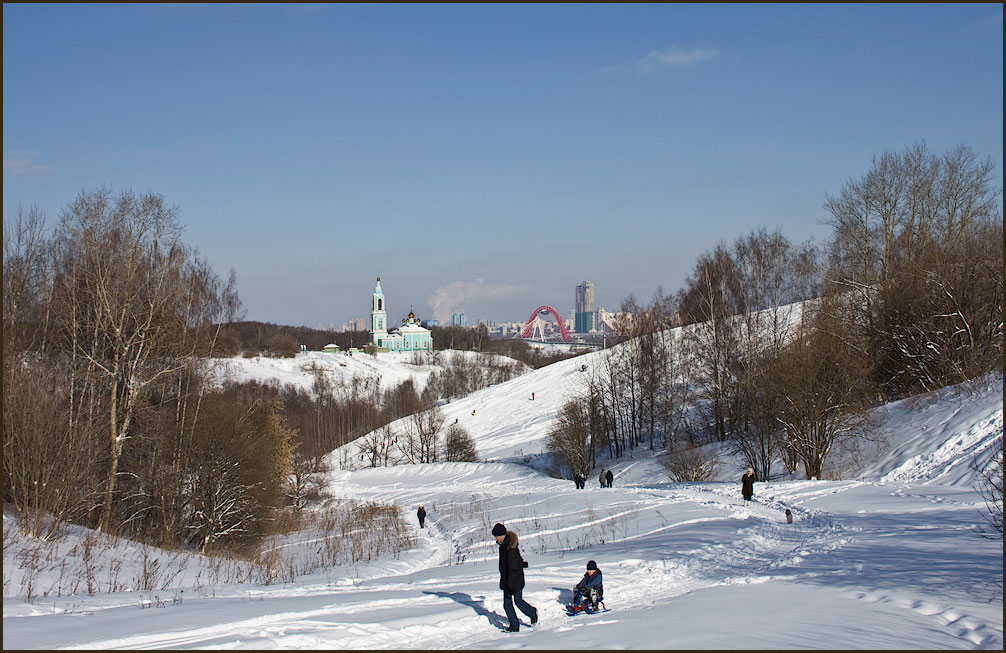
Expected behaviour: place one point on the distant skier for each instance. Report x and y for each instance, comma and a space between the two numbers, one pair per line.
609, 477
747, 485
589, 591
789, 516
421, 513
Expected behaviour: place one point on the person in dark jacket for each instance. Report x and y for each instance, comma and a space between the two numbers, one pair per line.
421, 513
609, 477
747, 485
590, 589
512, 578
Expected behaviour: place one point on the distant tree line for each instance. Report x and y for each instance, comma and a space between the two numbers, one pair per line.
906, 297
254, 338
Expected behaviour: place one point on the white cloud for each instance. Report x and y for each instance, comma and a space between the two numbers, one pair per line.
24, 163
452, 298
671, 57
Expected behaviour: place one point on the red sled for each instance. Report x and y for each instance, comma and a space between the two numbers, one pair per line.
572, 610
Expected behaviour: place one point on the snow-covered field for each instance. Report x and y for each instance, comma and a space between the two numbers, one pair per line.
885, 559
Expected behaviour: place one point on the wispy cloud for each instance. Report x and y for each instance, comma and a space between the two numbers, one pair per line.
24, 163
453, 297
670, 58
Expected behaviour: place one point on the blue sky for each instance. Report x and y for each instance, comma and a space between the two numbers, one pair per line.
482, 158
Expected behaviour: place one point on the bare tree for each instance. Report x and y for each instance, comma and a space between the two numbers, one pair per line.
822, 386
421, 441
377, 447
690, 463
459, 445
305, 479
121, 297
990, 487
240, 467
918, 237
711, 304
569, 437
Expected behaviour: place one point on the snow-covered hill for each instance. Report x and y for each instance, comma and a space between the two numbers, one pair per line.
385, 370
885, 559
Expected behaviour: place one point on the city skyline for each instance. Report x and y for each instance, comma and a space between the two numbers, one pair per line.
484, 159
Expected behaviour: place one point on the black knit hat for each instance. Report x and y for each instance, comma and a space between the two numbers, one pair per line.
591, 565
499, 529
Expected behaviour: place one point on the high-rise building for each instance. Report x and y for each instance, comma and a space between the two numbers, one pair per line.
458, 319
584, 313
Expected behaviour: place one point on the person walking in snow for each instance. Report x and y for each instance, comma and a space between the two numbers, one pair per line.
421, 513
609, 477
747, 485
590, 589
789, 516
512, 578
601, 478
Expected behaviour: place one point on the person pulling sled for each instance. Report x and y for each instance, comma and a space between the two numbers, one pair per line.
588, 592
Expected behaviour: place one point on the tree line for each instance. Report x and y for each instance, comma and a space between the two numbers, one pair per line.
109, 320
779, 349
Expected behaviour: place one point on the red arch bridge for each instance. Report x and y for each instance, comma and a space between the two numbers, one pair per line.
532, 322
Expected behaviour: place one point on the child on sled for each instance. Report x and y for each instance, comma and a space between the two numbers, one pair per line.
589, 591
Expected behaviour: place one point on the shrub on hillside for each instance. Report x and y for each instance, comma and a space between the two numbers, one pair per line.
459, 445
690, 463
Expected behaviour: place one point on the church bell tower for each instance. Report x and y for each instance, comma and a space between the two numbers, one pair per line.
378, 317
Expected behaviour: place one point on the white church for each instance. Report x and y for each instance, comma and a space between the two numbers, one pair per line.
411, 336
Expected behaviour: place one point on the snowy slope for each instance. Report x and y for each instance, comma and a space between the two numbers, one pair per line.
938, 439
872, 562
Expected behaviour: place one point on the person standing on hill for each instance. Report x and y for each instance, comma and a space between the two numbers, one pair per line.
747, 485
512, 578
421, 513
609, 477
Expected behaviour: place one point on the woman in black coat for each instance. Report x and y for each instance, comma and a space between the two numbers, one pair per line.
512, 578
747, 485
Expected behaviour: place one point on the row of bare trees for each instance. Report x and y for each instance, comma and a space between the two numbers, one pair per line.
782, 348
421, 438
108, 321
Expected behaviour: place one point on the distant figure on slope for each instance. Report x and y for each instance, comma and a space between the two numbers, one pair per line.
789, 516
601, 478
512, 578
747, 485
532, 396
609, 477
473, 413
589, 591
421, 513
